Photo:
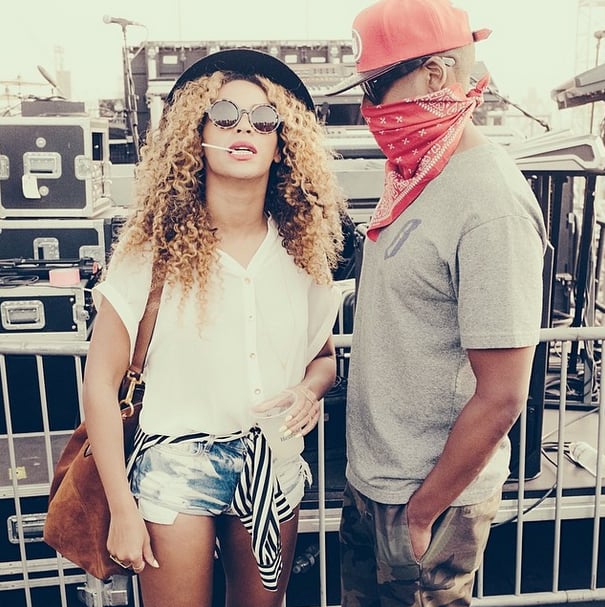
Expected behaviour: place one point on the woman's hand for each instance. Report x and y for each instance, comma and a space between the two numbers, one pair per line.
128, 541
304, 415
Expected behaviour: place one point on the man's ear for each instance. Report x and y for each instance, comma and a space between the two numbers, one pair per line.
437, 73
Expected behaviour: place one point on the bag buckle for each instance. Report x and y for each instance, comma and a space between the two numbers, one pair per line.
126, 404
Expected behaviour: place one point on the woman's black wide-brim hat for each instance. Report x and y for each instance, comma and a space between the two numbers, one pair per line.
247, 62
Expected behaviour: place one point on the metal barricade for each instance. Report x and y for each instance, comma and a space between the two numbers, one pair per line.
41, 410
570, 497
41, 388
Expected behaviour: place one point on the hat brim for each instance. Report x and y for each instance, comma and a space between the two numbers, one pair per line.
357, 78
246, 62
482, 34
351, 81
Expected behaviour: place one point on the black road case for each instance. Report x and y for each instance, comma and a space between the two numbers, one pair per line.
61, 238
54, 166
46, 313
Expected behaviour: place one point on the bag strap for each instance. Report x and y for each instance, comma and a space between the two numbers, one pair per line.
145, 330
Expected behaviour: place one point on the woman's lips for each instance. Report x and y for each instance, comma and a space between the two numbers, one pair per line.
242, 148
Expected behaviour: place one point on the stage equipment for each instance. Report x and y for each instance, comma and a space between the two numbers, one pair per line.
130, 107
52, 107
31, 306
51, 81
319, 63
54, 239
362, 180
54, 167
534, 408
556, 164
51, 313
586, 87
560, 152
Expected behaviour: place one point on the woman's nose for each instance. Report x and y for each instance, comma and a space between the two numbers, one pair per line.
245, 126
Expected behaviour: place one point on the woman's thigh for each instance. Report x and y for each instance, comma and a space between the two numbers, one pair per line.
185, 552
244, 587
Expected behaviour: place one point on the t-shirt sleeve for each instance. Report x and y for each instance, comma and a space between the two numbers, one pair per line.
126, 286
324, 301
500, 286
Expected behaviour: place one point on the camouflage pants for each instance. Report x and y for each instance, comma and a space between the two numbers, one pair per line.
379, 569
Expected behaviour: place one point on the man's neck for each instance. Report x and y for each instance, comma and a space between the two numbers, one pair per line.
471, 137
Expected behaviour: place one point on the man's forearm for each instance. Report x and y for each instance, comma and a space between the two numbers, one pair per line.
473, 440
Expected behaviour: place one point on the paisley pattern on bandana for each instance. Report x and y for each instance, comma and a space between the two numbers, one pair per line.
418, 136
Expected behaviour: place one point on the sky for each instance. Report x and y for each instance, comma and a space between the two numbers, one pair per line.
533, 44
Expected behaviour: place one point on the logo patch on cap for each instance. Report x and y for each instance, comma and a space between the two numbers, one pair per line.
356, 46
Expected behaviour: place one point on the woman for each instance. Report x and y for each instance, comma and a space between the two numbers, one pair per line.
238, 217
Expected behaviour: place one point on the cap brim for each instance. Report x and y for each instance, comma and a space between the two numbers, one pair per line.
356, 79
345, 85
481, 34
246, 62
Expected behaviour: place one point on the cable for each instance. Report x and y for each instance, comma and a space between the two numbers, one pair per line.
572, 422
527, 510
504, 99
543, 497
13, 280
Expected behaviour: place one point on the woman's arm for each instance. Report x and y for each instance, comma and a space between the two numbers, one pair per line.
320, 376
106, 362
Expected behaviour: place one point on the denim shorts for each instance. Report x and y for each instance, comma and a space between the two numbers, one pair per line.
200, 477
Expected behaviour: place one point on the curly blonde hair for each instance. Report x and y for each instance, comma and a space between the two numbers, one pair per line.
171, 217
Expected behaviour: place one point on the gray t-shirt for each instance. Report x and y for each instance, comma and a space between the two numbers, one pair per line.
460, 268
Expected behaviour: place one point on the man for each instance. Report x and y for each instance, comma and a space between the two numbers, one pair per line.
447, 319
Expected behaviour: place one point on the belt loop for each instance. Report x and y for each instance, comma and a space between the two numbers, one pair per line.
208, 443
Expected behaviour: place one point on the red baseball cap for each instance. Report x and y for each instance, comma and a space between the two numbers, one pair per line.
392, 31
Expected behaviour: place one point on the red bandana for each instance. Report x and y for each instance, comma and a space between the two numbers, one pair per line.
418, 137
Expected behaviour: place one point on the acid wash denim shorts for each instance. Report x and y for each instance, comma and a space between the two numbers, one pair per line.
199, 477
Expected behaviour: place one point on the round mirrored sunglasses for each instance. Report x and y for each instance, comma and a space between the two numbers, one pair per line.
225, 114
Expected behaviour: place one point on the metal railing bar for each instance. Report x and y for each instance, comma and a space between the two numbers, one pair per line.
541, 598
565, 349
49, 460
39, 582
598, 485
521, 494
321, 471
12, 458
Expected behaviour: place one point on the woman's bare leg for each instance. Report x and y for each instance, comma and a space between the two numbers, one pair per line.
243, 583
185, 552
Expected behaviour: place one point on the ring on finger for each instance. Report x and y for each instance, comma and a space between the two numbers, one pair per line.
122, 564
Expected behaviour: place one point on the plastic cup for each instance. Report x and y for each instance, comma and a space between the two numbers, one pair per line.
274, 418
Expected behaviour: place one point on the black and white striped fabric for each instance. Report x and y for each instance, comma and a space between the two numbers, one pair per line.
261, 506
258, 500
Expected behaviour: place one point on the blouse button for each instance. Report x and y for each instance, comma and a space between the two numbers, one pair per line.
247, 280
257, 391
252, 355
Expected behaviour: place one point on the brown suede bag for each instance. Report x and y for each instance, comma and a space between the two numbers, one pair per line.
77, 522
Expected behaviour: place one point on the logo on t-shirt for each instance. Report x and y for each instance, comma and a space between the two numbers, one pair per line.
401, 237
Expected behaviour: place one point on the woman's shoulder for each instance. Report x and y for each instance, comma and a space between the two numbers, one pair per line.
134, 257
129, 266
